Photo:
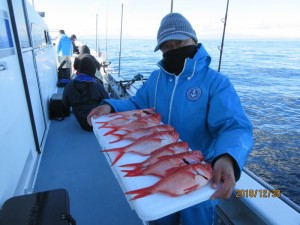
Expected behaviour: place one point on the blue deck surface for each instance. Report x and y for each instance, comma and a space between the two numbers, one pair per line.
72, 160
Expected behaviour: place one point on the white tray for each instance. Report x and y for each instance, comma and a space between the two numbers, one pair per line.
153, 206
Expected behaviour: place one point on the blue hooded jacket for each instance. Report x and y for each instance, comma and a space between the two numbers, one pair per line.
64, 46
201, 104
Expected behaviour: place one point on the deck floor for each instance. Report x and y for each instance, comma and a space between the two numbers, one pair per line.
72, 160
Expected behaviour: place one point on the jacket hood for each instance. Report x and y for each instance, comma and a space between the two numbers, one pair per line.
85, 50
82, 80
64, 36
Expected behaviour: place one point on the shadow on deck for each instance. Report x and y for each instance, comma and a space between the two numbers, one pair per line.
72, 160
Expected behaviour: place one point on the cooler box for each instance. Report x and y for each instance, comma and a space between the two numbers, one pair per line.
42, 208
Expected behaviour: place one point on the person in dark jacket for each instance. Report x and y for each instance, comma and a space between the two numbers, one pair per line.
85, 92
84, 51
75, 47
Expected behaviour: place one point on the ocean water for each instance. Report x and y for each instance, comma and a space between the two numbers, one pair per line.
266, 75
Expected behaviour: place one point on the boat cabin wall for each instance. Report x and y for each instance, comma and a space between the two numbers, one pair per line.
28, 75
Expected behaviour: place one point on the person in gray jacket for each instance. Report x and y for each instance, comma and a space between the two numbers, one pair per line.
203, 107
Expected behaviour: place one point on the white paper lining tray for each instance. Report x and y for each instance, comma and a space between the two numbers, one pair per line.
153, 206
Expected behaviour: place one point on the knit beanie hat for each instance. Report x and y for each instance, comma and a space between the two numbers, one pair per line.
174, 26
87, 66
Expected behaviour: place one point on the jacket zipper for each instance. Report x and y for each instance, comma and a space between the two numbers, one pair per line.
171, 102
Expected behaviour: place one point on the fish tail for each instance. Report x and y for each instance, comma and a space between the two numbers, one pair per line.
119, 136
136, 165
112, 131
120, 153
140, 192
133, 173
102, 124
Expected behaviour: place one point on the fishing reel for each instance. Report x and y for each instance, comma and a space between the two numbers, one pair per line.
126, 84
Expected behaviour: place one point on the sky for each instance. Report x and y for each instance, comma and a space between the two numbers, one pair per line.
141, 18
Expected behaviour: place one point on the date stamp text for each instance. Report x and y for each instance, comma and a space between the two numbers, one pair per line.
257, 193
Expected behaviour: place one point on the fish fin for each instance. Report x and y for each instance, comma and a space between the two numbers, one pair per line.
133, 173
101, 124
125, 171
120, 153
140, 192
190, 189
136, 165
112, 131
124, 129
172, 170
169, 193
119, 136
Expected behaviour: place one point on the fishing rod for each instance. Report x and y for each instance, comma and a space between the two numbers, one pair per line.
97, 49
222, 43
106, 56
97, 31
121, 40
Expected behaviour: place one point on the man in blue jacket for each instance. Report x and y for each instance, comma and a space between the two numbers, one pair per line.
201, 104
64, 45
64, 52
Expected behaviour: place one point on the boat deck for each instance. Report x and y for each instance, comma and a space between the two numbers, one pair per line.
72, 160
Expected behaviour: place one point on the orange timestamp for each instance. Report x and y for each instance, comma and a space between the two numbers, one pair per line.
257, 193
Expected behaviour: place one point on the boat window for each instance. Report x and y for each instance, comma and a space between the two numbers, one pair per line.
47, 37
21, 23
6, 41
38, 36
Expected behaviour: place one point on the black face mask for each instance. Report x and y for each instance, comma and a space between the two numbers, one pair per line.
174, 59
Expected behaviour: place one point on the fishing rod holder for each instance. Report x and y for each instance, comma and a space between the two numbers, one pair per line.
126, 84
105, 65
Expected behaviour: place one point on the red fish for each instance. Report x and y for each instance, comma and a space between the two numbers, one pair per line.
125, 117
146, 121
127, 114
170, 149
146, 145
141, 132
186, 179
167, 164
119, 121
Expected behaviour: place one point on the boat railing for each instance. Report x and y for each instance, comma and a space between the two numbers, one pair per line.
269, 187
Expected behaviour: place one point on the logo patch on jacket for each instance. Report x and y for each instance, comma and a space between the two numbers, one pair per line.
193, 94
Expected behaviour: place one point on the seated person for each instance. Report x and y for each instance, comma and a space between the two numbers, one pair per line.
84, 93
84, 51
